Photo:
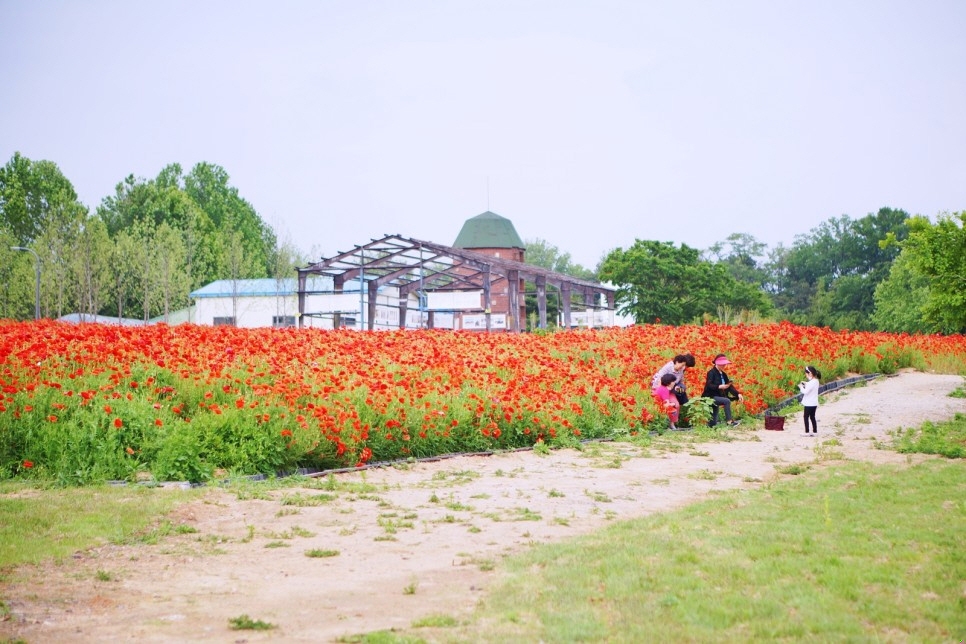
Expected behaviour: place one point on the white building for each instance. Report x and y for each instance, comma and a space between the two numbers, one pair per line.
250, 303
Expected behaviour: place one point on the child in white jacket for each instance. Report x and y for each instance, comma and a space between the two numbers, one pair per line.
809, 389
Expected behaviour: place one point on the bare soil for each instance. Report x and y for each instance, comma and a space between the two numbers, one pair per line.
422, 539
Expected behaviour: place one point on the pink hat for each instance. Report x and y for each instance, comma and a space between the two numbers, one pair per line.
721, 360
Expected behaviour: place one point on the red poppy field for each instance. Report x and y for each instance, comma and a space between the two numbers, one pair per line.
89, 403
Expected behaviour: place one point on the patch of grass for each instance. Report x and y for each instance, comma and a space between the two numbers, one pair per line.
287, 512
103, 575
555, 494
460, 477
598, 497
391, 524
158, 532
846, 553
525, 514
276, 544
319, 553
332, 484
246, 623
945, 438
38, 525
704, 475
380, 637
436, 621
291, 533
305, 501
793, 469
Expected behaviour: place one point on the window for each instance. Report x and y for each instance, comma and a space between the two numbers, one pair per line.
224, 321
283, 320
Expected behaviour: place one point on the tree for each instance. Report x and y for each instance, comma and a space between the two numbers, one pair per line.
742, 255
91, 265
31, 193
170, 277
125, 267
657, 281
208, 187
845, 258
545, 255
17, 288
938, 252
901, 298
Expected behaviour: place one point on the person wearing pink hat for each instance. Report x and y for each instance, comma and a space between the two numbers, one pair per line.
719, 388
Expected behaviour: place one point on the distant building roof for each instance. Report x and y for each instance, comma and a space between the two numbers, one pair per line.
265, 287
181, 316
77, 318
488, 230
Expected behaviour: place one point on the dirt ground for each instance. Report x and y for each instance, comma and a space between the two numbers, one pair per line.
424, 538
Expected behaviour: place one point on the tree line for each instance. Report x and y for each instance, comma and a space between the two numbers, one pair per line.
886, 271
146, 247
139, 254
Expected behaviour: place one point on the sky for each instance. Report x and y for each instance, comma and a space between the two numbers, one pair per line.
588, 124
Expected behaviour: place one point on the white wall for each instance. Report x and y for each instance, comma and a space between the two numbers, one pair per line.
254, 311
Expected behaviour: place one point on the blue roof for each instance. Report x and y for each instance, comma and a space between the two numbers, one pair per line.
265, 287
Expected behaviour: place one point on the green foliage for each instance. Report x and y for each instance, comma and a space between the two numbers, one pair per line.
945, 438
938, 252
147, 247
658, 281
808, 549
698, 410
541, 253
900, 299
59, 522
545, 255
36, 197
246, 623
829, 276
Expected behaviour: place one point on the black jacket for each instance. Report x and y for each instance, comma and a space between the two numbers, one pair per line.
716, 378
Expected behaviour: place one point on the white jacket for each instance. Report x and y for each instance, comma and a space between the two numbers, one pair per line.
809, 391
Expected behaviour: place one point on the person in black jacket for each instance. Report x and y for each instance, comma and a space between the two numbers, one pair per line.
721, 390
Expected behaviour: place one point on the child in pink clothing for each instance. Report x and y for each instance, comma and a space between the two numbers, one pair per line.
666, 398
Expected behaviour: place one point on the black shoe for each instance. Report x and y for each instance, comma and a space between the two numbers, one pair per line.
734, 423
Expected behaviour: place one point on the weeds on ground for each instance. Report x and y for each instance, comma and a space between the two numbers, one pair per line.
246, 623
944, 438
808, 549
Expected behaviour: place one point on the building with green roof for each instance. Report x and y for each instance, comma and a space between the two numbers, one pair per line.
491, 234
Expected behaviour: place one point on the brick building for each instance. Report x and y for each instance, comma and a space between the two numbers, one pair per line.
495, 236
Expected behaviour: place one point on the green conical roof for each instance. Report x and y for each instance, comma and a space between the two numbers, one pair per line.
488, 230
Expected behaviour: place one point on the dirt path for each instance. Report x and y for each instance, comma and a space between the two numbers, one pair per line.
422, 539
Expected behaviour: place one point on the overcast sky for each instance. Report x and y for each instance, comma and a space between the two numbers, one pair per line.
588, 124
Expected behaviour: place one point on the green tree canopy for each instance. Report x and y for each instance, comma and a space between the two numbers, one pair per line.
938, 252
35, 196
659, 281
828, 276
900, 299
545, 255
